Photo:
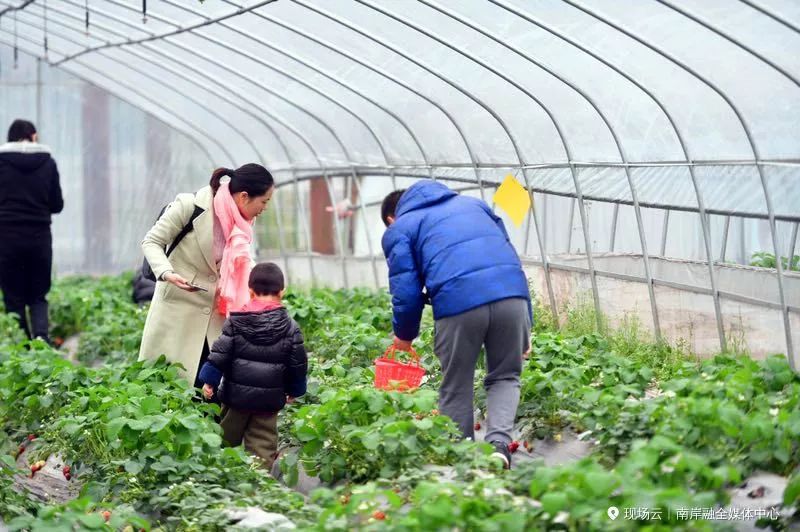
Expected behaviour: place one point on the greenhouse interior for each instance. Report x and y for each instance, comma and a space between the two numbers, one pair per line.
629, 168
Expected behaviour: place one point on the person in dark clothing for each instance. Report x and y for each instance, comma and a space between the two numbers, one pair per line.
30, 193
256, 366
455, 248
143, 288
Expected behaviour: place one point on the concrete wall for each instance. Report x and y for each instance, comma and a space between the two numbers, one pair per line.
684, 315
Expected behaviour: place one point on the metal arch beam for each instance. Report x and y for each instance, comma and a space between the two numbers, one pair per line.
302, 137
771, 15
219, 93
770, 211
164, 35
512, 139
413, 90
10, 8
158, 81
295, 78
681, 142
192, 133
388, 76
313, 116
204, 86
332, 200
356, 60
731, 39
139, 94
347, 86
173, 23
306, 64
615, 138
358, 93
197, 102
445, 112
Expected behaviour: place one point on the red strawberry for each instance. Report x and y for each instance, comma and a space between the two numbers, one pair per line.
36, 467
58, 341
377, 514
434, 412
67, 471
31, 437
68, 476
513, 446
477, 426
20, 450
106, 515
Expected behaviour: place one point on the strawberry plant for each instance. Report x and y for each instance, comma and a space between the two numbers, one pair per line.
80, 514
363, 434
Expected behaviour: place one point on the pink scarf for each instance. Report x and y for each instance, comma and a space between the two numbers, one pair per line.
234, 270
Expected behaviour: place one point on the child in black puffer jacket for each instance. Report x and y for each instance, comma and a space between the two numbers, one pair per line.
256, 366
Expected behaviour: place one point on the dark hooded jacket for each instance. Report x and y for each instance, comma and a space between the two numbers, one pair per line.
29, 186
260, 358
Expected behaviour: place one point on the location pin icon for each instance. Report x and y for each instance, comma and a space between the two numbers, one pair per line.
613, 512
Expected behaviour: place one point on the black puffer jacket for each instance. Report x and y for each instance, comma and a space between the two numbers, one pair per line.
262, 359
29, 185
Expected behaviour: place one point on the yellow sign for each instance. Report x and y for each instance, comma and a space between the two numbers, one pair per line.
514, 199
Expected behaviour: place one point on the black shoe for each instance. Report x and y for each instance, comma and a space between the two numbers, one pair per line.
501, 451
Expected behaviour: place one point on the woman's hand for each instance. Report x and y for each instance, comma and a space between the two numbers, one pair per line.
179, 281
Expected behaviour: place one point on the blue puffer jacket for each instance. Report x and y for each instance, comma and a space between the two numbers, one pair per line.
456, 248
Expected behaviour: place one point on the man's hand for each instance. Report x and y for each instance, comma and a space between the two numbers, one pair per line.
289, 399
208, 391
527, 354
402, 345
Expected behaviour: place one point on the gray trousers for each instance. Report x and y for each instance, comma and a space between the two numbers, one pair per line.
504, 328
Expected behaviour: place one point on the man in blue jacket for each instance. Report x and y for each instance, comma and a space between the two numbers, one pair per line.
459, 251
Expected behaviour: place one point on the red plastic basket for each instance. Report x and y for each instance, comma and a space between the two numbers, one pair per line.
391, 374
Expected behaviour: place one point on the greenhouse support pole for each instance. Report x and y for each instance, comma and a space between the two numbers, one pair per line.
341, 83
545, 260
614, 218
318, 120
363, 33
701, 206
664, 230
793, 245
724, 248
473, 161
618, 144
770, 212
571, 224
771, 15
476, 100
216, 92
192, 132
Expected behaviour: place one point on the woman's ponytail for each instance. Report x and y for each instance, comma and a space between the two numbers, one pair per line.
251, 178
217, 175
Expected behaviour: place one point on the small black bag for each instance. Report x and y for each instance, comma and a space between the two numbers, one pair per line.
147, 271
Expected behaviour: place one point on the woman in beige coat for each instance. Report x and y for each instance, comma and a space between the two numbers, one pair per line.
185, 317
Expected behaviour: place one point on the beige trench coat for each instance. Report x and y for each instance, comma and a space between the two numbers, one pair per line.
179, 321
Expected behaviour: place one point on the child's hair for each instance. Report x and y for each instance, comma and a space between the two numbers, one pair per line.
389, 205
266, 279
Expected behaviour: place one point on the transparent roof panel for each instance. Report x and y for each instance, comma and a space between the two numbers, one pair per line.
472, 89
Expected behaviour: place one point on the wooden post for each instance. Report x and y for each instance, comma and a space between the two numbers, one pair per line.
322, 229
